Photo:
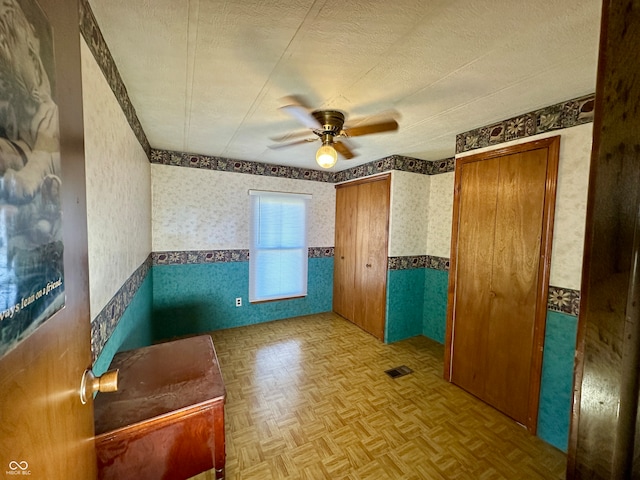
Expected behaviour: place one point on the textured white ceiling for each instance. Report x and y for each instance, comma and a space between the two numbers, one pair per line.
208, 76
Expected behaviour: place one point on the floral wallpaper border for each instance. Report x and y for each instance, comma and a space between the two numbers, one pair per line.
393, 162
190, 160
560, 299
564, 300
418, 261
396, 162
93, 36
220, 256
562, 115
106, 321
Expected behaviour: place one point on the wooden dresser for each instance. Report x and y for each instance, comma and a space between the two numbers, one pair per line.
166, 421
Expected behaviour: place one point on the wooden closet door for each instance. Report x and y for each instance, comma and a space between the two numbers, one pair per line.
514, 282
360, 261
371, 256
501, 249
344, 269
474, 267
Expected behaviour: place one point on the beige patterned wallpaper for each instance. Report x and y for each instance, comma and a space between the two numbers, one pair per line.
571, 201
440, 214
198, 209
118, 189
571, 206
409, 214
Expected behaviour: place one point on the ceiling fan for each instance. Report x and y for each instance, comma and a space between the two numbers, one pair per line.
329, 127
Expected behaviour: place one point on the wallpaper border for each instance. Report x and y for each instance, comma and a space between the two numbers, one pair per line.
554, 117
418, 261
396, 162
221, 164
191, 257
564, 300
559, 299
107, 320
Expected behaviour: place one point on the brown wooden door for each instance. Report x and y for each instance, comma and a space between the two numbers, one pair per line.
360, 262
501, 252
45, 431
344, 260
371, 256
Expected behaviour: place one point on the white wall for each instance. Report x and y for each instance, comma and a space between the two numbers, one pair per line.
118, 189
571, 201
198, 209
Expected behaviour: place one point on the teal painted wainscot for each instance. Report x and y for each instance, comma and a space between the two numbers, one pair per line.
436, 285
414, 304
126, 321
174, 294
195, 292
557, 367
404, 311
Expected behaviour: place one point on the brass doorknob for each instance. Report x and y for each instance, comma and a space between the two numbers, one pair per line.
107, 382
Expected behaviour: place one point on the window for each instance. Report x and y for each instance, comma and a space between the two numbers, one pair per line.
278, 251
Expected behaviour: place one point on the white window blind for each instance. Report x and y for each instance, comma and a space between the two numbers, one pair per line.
278, 250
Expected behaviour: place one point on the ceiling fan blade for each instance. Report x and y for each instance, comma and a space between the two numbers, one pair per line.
385, 126
291, 144
343, 150
300, 112
290, 136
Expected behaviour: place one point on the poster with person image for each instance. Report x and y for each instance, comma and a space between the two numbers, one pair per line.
31, 260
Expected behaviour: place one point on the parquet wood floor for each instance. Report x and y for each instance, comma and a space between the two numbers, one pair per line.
308, 398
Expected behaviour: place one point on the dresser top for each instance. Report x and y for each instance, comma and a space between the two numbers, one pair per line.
168, 378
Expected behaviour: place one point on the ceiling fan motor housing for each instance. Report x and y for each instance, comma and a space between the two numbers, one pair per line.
331, 121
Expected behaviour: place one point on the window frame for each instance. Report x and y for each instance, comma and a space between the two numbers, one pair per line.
258, 254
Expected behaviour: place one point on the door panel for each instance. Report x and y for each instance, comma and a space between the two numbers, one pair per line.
360, 265
501, 246
373, 201
514, 280
475, 261
362, 281
44, 426
344, 261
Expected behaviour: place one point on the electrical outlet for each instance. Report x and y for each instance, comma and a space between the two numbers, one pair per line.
238, 302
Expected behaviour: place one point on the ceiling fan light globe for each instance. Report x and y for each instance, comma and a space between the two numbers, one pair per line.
326, 156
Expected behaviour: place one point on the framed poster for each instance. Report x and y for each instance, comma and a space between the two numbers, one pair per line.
31, 249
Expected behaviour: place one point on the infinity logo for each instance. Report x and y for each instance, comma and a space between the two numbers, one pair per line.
13, 465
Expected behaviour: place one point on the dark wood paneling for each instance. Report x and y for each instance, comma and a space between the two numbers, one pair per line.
603, 439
